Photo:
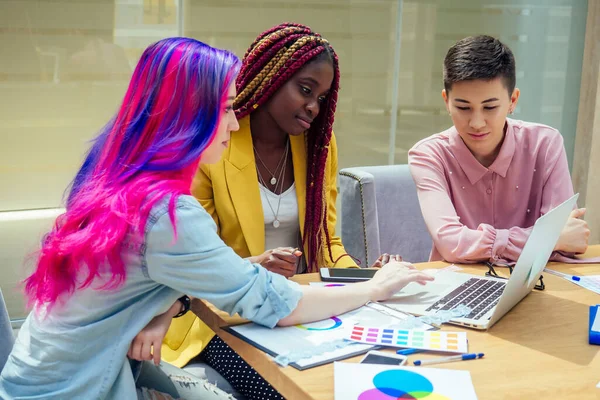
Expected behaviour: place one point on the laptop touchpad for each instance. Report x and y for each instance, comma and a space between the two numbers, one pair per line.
415, 293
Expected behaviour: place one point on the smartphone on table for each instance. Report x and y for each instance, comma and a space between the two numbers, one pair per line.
346, 274
382, 357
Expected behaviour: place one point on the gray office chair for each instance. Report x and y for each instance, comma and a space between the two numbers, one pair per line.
7, 338
381, 214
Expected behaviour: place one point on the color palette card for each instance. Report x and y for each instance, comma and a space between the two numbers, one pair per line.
452, 342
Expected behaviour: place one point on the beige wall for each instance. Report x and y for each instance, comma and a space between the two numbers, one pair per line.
586, 166
54, 94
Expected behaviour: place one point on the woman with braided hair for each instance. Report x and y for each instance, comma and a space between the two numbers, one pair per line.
283, 162
274, 190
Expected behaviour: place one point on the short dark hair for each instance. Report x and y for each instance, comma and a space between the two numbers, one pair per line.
479, 57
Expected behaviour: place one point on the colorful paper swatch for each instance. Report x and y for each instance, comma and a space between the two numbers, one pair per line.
452, 342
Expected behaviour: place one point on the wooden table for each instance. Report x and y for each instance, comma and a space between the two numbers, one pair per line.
539, 350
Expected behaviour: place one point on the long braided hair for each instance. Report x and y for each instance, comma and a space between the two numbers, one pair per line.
274, 57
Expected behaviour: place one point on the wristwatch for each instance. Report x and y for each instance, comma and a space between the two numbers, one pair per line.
185, 300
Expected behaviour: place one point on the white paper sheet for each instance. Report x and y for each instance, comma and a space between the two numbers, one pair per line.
596, 324
306, 337
589, 282
371, 381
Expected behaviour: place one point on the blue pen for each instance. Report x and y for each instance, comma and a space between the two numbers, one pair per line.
407, 352
461, 357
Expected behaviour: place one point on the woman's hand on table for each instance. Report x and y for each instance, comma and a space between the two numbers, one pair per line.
386, 258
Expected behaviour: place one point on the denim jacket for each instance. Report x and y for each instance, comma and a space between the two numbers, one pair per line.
78, 350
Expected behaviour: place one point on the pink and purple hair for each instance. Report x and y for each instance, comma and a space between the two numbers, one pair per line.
148, 151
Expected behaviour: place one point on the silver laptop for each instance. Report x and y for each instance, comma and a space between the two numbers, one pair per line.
488, 298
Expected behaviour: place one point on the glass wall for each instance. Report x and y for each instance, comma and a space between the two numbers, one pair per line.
64, 67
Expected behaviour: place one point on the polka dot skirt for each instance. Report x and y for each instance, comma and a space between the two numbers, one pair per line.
237, 372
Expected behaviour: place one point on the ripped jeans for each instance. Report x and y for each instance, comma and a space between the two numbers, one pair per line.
167, 382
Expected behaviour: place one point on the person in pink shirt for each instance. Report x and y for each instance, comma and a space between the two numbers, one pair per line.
483, 183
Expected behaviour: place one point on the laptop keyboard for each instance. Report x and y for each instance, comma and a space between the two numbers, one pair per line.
480, 295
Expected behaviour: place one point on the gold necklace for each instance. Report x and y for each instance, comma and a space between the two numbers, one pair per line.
273, 180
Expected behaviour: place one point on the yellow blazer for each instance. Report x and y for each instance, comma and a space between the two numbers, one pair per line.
229, 191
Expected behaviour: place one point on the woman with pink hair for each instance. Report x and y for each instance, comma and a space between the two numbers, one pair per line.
133, 240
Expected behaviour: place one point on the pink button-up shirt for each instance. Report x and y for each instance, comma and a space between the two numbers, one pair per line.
475, 213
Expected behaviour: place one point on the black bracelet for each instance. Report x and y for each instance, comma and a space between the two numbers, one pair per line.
185, 300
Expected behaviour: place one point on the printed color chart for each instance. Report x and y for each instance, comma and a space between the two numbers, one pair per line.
452, 342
